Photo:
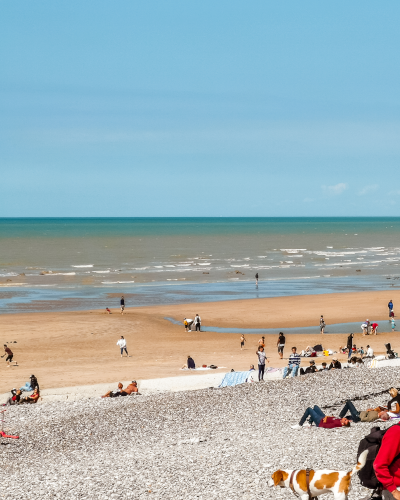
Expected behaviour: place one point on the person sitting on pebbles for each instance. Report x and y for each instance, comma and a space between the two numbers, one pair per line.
33, 398
335, 364
310, 369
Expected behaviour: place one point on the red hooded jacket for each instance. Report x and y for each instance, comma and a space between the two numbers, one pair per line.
387, 471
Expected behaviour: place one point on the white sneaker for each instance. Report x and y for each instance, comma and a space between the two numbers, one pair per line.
306, 425
297, 427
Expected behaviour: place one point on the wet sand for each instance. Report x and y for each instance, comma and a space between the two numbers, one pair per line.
79, 348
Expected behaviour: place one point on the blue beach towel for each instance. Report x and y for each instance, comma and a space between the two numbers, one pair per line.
235, 378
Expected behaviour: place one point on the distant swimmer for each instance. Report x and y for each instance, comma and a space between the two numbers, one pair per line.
122, 302
256, 277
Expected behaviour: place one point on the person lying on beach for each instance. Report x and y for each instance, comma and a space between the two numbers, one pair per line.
115, 394
15, 397
33, 398
335, 364
310, 369
132, 388
318, 417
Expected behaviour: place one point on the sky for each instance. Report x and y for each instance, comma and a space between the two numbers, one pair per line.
207, 108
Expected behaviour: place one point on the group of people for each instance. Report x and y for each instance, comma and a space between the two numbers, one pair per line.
132, 388
17, 398
189, 322
317, 417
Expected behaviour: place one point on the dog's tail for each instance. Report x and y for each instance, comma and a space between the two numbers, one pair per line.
361, 462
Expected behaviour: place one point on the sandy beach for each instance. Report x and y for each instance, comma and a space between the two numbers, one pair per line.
79, 348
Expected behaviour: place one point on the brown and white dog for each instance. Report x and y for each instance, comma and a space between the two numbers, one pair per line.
320, 481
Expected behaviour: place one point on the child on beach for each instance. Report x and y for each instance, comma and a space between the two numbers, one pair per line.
242, 341
393, 324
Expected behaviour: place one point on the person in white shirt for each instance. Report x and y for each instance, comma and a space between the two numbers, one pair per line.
370, 352
122, 345
197, 322
188, 324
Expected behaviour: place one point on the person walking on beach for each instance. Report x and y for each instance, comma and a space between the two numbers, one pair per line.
9, 354
256, 276
350, 345
322, 324
122, 302
261, 362
390, 307
122, 345
281, 344
242, 341
197, 322
261, 342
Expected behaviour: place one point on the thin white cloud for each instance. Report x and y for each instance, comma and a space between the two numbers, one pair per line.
336, 189
368, 189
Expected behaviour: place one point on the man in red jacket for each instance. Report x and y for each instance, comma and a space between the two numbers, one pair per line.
387, 464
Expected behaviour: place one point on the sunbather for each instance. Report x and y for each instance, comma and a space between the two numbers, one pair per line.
33, 398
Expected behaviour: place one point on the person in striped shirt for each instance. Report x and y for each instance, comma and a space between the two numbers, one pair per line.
294, 363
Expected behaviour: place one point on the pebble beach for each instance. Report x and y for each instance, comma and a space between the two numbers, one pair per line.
204, 444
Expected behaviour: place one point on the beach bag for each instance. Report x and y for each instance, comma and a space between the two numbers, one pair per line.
213, 367
313, 354
318, 348
372, 443
326, 353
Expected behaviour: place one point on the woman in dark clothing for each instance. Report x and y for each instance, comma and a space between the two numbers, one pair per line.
335, 365
190, 363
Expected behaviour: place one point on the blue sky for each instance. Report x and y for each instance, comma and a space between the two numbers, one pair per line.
199, 109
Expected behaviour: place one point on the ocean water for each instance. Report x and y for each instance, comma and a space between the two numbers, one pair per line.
45, 261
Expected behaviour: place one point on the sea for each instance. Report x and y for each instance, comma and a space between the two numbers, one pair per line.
58, 264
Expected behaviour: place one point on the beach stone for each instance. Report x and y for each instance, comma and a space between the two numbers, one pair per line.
221, 443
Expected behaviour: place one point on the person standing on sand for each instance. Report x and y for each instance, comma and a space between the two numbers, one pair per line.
122, 345
122, 302
350, 345
261, 342
390, 307
322, 324
242, 341
261, 362
256, 276
197, 322
281, 344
